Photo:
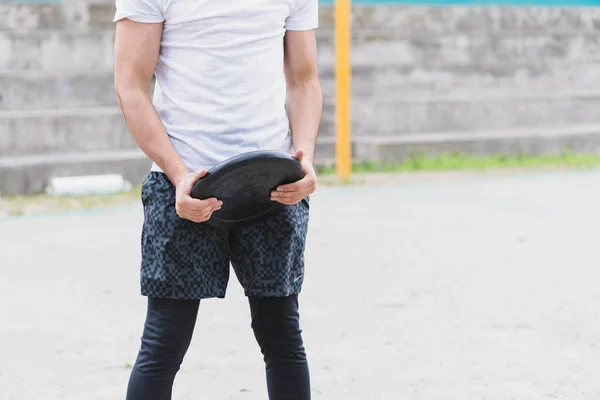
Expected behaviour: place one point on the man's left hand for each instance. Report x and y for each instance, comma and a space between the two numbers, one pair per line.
293, 193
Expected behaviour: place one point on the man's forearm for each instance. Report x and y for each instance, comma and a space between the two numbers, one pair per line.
305, 108
149, 133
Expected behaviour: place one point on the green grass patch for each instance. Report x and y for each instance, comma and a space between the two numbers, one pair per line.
22, 205
417, 162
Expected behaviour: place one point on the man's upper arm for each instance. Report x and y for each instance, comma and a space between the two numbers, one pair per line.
300, 41
137, 46
300, 56
139, 25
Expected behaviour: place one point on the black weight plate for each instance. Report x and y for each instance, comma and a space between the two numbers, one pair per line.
244, 183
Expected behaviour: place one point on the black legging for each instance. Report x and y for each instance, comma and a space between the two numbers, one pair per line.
168, 332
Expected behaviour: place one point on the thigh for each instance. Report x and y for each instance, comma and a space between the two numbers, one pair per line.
167, 335
181, 259
168, 330
268, 256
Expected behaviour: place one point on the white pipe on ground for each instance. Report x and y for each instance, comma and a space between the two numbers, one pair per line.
87, 185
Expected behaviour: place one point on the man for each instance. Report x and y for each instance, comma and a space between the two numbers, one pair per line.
231, 77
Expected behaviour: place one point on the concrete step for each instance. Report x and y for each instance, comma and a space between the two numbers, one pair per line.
393, 111
536, 142
22, 50
85, 129
377, 19
476, 50
409, 112
31, 174
420, 20
59, 88
64, 15
56, 89
382, 78
490, 58
63, 131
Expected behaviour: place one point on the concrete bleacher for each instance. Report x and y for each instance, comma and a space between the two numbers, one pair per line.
475, 79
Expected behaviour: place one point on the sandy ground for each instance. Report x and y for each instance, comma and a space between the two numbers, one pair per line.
477, 288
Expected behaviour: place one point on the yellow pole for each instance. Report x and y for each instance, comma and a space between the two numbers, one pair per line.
343, 153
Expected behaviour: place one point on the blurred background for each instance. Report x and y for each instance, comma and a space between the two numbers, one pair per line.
460, 262
475, 79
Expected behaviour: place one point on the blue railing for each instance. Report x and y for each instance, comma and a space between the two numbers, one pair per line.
551, 3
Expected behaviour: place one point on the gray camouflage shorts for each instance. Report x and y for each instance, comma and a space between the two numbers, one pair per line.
186, 260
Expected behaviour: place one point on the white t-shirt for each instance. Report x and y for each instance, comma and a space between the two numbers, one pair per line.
220, 85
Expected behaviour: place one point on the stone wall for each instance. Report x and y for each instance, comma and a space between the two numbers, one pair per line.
434, 69
478, 79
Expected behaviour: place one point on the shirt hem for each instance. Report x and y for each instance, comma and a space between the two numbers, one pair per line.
145, 19
301, 27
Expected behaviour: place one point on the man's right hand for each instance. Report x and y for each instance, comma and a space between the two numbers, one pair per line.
193, 209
